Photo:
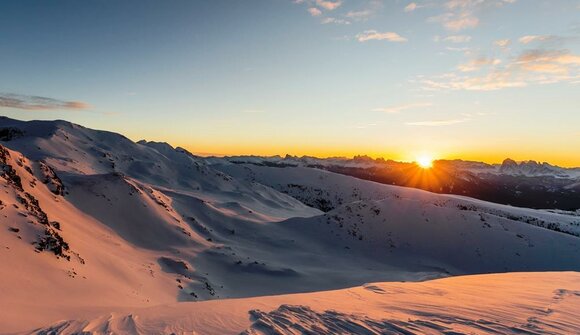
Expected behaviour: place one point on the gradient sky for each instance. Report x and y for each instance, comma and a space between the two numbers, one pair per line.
470, 79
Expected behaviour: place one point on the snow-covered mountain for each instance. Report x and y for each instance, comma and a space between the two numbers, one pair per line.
97, 227
508, 166
535, 169
526, 184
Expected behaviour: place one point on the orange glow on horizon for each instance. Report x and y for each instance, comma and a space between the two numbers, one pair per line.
485, 155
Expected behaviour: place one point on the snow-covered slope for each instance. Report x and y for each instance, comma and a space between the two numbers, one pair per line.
327, 191
526, 184
93, 223
74, 150
453, 234
513, 303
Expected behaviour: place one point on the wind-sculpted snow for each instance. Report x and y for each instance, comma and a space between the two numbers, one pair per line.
512, 303
303, 320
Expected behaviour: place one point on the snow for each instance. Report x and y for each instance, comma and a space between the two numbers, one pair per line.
126, 237
512, 303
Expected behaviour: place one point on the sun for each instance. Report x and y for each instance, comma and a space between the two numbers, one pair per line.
425, 162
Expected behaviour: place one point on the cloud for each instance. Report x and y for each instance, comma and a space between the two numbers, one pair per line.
457, 38
536, 66
29, 102
477, 64
436, 123
359, 15
465, 50
502, 43
314, 11
463, 14
328, 5
456, 22
411, 7
548, 61
334, 20
486, 82
534, 38
400, 108
375, 35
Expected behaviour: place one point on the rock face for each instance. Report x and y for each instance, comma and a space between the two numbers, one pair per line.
508, 166
530, 168
18, 174
10, 133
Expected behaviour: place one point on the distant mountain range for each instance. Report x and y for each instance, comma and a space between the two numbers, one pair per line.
525, 184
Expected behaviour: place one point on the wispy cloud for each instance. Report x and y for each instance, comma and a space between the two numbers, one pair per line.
37, 103
477, 64
456, 22
400, 108
465, 50
359, 15
549, 62
457, 38
328, 5
370, 8
370, 35
411, 7
534, 38
502, 43
437, 123
495, 80
328, 13
314, 11
328, 20
463, 14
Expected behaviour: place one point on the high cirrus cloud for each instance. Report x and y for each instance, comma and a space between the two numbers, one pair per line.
370, 35
502, 43
314, 11
328, 5
536, 66
478, 63
549, 61
31, 102
534, 38
457, 38
463, 14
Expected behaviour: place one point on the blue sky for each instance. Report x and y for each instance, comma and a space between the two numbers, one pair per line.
468, 79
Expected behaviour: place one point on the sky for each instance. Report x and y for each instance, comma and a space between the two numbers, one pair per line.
452, 79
